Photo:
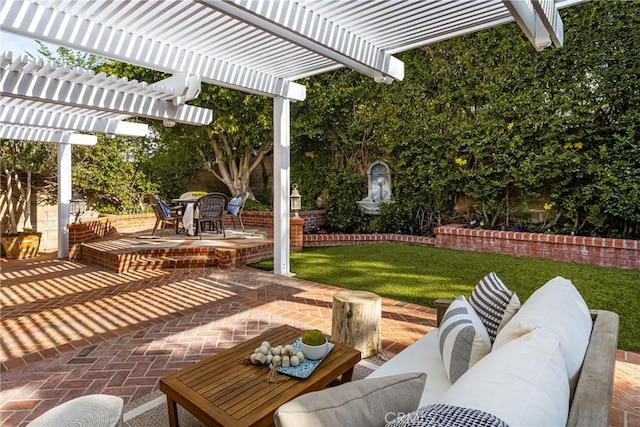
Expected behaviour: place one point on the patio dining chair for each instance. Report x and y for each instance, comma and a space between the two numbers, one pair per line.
209, 210
163, 213
235, 207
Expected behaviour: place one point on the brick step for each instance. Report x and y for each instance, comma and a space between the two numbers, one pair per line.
151, 262
132, 254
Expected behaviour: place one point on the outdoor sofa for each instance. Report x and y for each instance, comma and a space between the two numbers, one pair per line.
548, 362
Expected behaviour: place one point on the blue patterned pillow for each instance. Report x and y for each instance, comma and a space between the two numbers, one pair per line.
234, 206
165, 209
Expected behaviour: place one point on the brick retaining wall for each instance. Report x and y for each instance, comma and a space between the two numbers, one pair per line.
623, 253
109, 225
263, 220
606, 252
315, 240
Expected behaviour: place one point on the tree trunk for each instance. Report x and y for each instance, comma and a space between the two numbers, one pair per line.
10, 205
233, 165
26, 204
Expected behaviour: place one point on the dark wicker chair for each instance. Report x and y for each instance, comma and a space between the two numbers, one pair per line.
163, 213
210, 209
235, 207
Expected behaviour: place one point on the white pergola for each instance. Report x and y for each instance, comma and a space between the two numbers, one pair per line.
256, 46
43, 102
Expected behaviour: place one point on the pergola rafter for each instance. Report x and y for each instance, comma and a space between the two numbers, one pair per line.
45, 115
27, 133
35, 80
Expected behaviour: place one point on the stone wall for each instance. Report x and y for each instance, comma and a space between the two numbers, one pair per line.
45, 221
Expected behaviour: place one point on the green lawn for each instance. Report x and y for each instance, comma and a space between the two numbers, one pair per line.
421, 274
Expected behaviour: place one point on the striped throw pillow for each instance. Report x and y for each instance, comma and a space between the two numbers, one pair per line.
494, 303
462, 337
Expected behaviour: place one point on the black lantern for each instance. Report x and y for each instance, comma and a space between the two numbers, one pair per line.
77, 206
296, 200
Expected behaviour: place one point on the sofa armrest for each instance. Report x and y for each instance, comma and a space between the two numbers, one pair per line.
592, 398
441, 305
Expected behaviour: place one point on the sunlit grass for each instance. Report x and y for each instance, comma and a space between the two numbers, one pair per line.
421, 274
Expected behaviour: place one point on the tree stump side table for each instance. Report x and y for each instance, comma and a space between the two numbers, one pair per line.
356, 321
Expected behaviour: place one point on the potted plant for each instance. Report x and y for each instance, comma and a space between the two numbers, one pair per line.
18, 161
313, 344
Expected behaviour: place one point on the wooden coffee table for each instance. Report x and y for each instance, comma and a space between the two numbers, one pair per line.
220, 390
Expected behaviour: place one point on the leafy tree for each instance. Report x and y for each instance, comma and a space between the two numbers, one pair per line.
22, 164
230, 148
111, 176
240, 135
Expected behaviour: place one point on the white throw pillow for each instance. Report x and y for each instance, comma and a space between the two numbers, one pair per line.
494, 303
371, 402
558, 308
462, 338
524, 383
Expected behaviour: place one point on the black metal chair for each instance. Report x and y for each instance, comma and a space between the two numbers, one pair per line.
209, 210
163, 213
235, 207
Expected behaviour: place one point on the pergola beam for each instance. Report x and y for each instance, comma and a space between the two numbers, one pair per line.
539, 20
45, 135
293, 22
116, 98
46, 117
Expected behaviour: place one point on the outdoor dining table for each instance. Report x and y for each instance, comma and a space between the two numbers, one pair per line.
187, 213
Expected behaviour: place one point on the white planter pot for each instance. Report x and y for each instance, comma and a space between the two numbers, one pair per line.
314, 352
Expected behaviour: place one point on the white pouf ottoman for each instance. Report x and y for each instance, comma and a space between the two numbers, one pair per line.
95, 410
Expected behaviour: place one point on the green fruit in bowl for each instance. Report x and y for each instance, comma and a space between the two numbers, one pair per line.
313, 337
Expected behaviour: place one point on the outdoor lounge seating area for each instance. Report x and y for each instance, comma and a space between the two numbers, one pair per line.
135, 341
550, 364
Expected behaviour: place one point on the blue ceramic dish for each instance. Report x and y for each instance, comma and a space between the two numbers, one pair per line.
306, 367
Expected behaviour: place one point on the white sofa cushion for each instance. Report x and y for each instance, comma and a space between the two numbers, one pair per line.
370, 402
421, 356
494, 303
463, 340
524, 382
558, 308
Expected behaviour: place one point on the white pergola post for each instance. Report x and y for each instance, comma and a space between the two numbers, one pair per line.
64, 195
281, 178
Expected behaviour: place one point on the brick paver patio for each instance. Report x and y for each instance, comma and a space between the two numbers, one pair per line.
69, 329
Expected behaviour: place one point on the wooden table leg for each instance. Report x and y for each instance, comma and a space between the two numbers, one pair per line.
173, 412
344, 378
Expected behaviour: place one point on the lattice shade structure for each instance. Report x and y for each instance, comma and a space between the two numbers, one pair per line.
255, 46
